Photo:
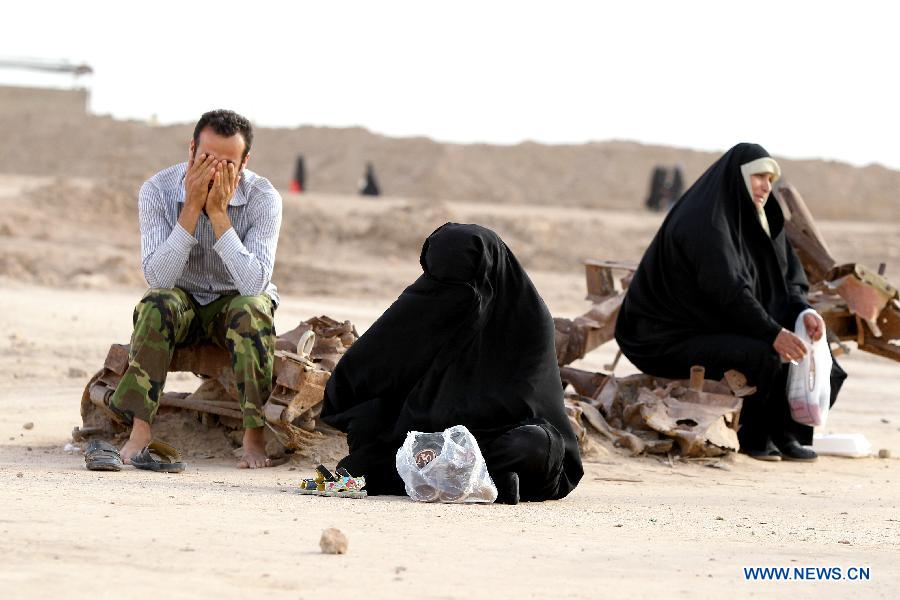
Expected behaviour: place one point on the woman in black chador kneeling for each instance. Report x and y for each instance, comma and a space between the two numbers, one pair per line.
471, 343
720, 286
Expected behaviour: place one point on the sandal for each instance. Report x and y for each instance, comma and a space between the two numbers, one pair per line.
341, 485
102, 456
159, 457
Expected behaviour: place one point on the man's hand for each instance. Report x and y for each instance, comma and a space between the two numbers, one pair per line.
788, 346
196, 181
225, 182
815, 326
196, 189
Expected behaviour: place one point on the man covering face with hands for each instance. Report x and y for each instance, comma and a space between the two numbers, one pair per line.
209, 230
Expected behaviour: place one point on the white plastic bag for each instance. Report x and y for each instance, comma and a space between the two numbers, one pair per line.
809, 381
444, 467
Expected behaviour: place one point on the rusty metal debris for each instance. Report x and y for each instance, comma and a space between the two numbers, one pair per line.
857, 303
576, 337
304, 359
695, 418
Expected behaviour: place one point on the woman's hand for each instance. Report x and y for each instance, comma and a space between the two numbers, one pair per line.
815, 326
788, 346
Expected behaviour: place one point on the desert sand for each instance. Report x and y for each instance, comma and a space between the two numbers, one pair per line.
635, 527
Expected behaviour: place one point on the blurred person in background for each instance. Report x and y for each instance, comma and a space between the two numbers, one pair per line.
368, 186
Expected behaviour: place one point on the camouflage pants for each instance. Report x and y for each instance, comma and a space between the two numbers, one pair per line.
167, 318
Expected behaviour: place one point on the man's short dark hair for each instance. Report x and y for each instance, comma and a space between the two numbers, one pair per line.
225, 123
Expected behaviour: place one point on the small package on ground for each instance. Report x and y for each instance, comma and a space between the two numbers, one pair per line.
445, 467
809, 383
850, 445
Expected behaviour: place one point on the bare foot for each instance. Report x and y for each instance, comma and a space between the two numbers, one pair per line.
140, 437
254, 450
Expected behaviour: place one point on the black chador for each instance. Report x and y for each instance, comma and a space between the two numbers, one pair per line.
715, 289
471, 343
369, 185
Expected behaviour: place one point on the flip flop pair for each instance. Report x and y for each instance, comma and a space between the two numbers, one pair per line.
156, 456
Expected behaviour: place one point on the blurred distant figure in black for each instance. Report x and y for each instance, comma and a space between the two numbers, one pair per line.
298, 183
655, 200
369, 185
665, 188
677, 187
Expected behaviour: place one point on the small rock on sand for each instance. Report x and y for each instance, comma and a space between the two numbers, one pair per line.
333, 541
28, 425
884, 453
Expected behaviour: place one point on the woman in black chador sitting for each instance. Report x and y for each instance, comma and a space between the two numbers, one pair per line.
471, 343
719, 286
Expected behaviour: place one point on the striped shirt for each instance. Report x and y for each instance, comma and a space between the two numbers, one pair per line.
240, 262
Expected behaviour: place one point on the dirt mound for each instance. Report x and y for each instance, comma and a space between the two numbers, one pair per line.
601, 175
71, 232
79, 233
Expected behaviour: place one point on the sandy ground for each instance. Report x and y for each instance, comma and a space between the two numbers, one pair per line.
636, 528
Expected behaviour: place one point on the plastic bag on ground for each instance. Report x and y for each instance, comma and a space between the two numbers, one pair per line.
809, 381
445, 467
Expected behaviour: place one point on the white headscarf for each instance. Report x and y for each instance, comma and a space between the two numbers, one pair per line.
765, 164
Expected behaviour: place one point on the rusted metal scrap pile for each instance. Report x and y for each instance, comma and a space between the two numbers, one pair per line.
858, 303
304, 359
694, 418
653, 415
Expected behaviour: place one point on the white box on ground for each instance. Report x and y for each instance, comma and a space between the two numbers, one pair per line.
852, 445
